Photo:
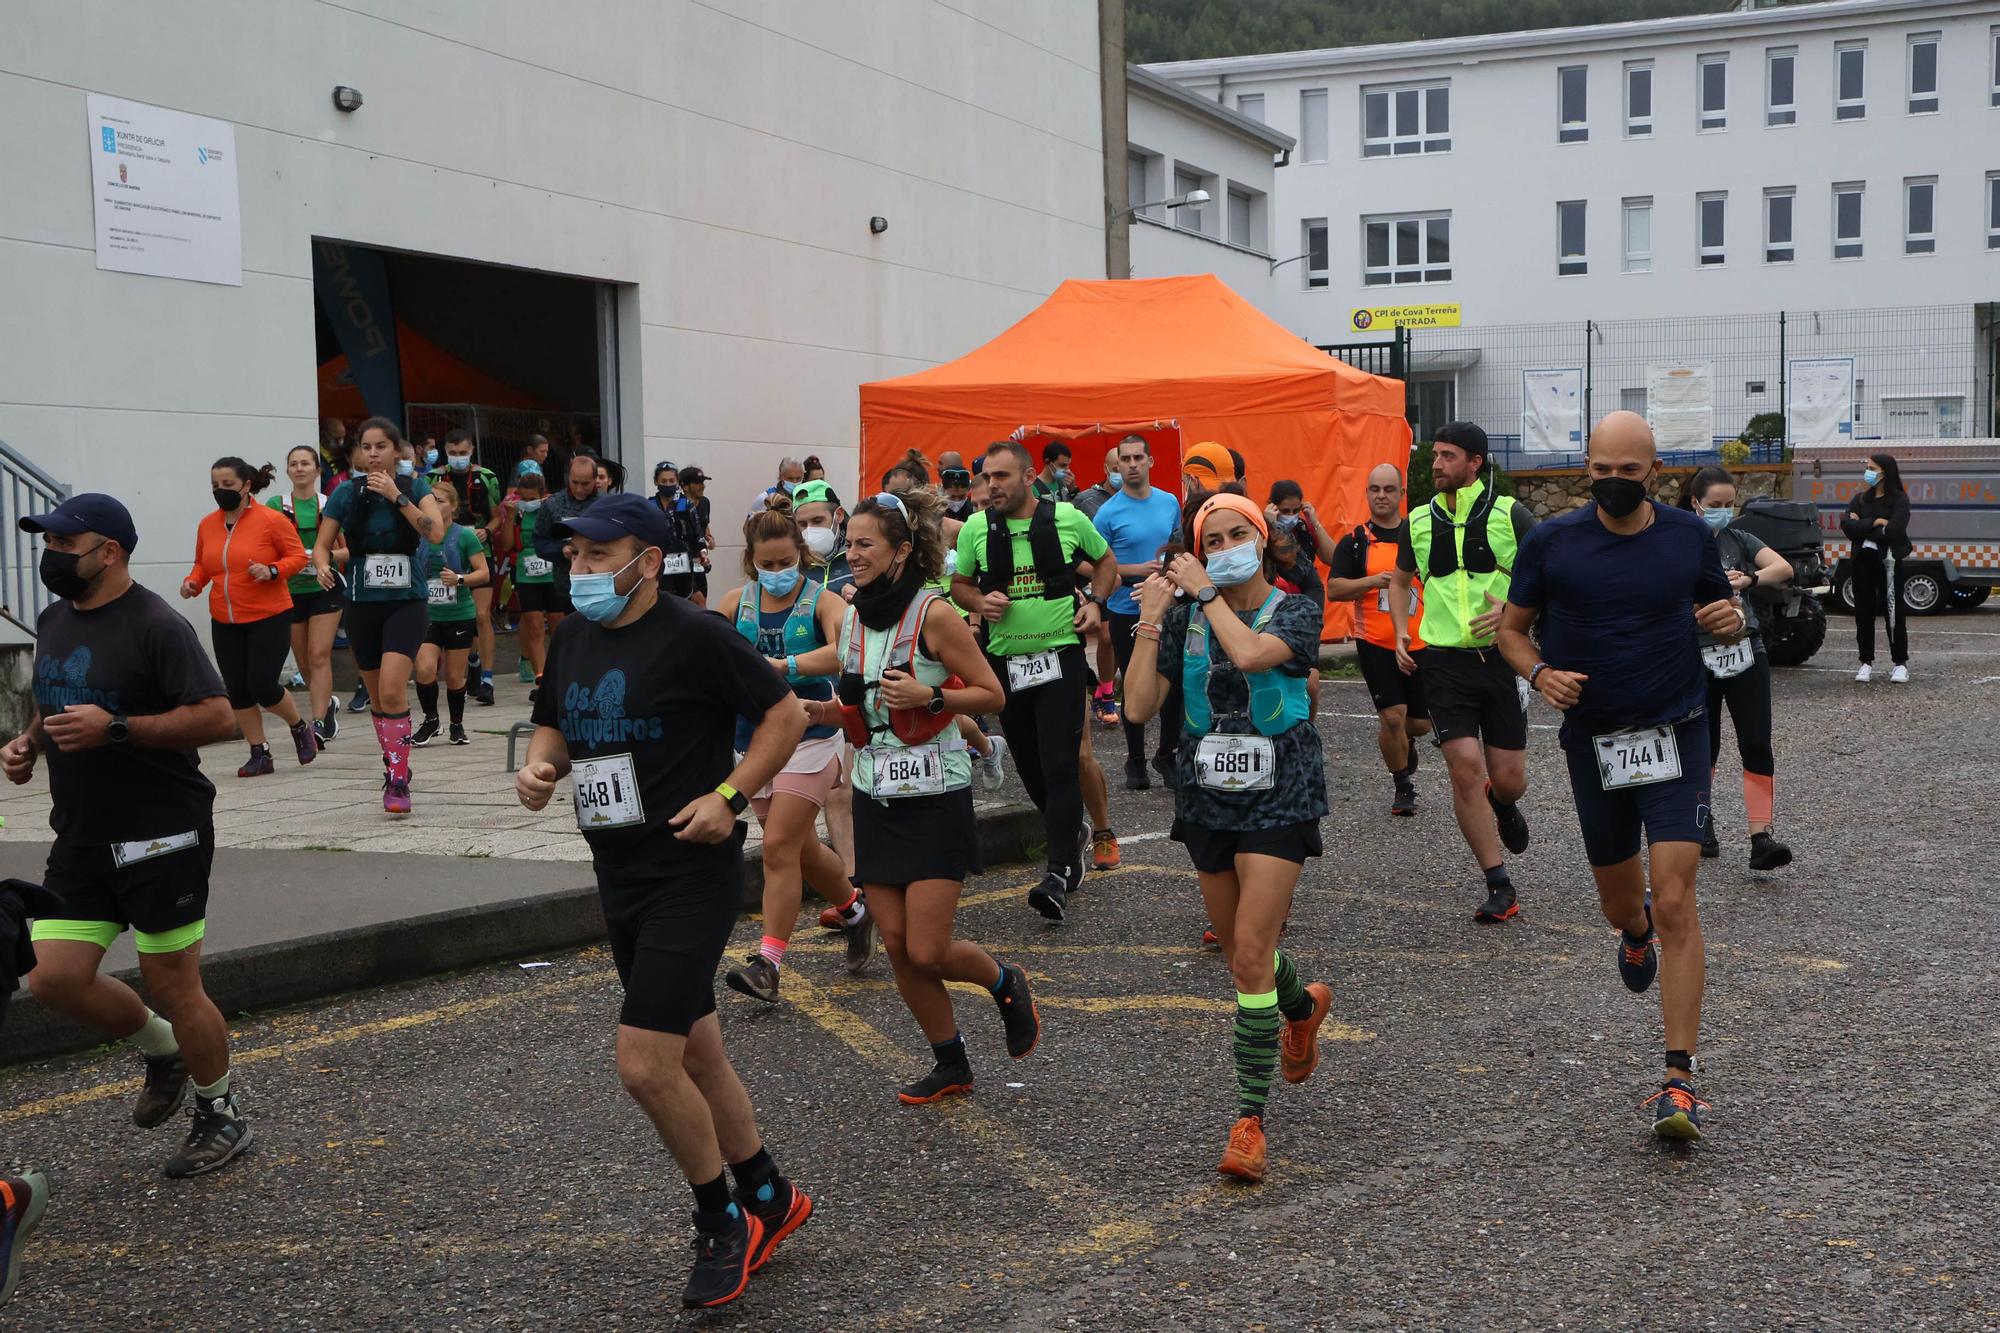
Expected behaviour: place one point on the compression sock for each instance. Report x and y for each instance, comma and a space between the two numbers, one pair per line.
772, 950
393, 733
427, 699
949, 1054
155, 1037
455, 702
1496, 878
213, 1091
756, 1176
1256, 1048
712, 1197
1758, 798
1293, 1001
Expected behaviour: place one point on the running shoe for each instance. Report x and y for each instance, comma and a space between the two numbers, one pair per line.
1107, 710
1676, 1110
1210, 941
305, 742
1405, 802
860, 943
1866, 674
781, 1207
1298, 1044
359, 702
1710, 847
164, 1091
993, 766
722, 1259
322, 735
259, 764
757, 978
1512, 823
474, 668
217, 1137
1899, 674
1104, 853
483, 691
426, 731
329, 726
1639, 963
396, 795
295, 681
27, 1194
943, 1081
1244, 1157
458, 736
1079, 859
1017, 1011
1135, 776
1169, 771
1767, 853
525, 672
1499, 906
829, 919
1049, 897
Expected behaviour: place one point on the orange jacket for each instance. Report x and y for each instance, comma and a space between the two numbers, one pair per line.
223, 556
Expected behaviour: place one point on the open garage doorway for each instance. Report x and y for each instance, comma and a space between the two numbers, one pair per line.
435, 343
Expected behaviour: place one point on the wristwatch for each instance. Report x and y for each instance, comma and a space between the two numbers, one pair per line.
936, 705
1208, 594
403, 501
118, 730
738, 802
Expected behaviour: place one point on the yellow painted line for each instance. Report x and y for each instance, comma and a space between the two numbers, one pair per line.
1035, 949
427, 1245
1018, 892
448, 1013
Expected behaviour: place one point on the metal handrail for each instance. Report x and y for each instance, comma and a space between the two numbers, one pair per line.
24, 489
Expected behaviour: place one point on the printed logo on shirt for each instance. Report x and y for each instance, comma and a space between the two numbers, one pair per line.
595, 714
58, 684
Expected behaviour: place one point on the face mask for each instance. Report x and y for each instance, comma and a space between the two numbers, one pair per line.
226, 500
1234, 564
430, 458
788, 486
529, 506
1872, 476
820, 541
405, 468
668, 491
1718, 519
60, 576
779, 582
1618, 496
596, 596
1065, 476
460, 462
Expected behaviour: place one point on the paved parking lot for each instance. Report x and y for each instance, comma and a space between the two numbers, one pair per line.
456, 1154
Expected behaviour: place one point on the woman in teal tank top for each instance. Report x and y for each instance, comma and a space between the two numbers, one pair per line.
315, 610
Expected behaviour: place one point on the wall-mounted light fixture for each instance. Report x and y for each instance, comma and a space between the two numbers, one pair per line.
878, 225
346, 98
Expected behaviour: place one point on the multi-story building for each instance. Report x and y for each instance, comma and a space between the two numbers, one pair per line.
1630, 199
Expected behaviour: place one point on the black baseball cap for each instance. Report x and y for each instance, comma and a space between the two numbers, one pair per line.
619, 515
692, 475
90, 512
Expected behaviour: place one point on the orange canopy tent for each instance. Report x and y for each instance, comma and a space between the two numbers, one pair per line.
1180, 360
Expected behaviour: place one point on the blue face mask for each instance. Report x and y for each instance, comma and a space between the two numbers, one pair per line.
778, 582
789, 486
430, 458
1871, 476
405, 468
596, 596
529, 506
1234, 565
460, 462
1718, 519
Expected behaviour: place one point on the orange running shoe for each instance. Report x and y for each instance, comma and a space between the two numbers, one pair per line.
1244, 1157
1104, 854
1298, 1046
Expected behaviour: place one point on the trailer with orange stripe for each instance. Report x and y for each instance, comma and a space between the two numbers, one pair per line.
1954, 490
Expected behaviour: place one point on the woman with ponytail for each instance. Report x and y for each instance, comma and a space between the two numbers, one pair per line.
908, 666
315, 610
244, 554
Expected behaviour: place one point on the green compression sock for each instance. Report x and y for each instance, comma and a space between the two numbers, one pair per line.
1292, 997
1256, 1050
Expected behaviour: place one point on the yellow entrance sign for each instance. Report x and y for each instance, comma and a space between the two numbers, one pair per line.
1366, 318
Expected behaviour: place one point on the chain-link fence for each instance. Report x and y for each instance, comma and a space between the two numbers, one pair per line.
1917, 372
500, 434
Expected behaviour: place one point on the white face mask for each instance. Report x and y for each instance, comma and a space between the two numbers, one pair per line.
820, 541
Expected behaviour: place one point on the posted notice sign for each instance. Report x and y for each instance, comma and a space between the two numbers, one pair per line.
1364, 318
163, 186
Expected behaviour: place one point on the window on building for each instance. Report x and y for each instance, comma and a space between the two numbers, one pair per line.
1920, 215
1570, 257
1850, 81
1847, 220
1993, 210
1314, 245
1402, 121
1924, 417
1637, 226
1145, 181
1632, 400
1993, 68
1712, 76
1780, 65
1250, 105
1186, 182
1639, 99
1753, 388
1312, 125
1711, 213
1407, 249
1923, 72
1572, 104
1239, 219
1778, 247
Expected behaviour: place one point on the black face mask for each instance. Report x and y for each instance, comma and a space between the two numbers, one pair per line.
668, 492
880, 604
60, 576
226, 501
1618, 496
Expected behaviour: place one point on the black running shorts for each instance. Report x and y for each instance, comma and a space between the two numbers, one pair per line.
669, 926
1388, 687
1471, 693
377, 628
1214, 851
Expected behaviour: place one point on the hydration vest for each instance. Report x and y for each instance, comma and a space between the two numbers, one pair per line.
1058, 576
909, 726
1462, 561
1278, 702
801, 626
1372, 616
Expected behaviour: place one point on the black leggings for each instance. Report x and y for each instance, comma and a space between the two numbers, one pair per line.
250, 656
1122, 627
1044, 729
1748, 694
1874, 597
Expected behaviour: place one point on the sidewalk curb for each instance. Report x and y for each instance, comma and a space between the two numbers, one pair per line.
314, 967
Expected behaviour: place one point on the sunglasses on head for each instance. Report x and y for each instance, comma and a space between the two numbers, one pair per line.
957, 476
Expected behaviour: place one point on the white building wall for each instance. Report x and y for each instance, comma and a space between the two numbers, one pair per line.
720, 163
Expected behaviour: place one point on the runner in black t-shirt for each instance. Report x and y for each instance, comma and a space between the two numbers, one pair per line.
123, 696
638, 703
1624, 587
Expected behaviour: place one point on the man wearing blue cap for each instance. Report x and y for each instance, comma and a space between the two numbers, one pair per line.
124, 695
638, 704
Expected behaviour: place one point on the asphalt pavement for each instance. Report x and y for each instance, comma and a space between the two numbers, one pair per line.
456, 1153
